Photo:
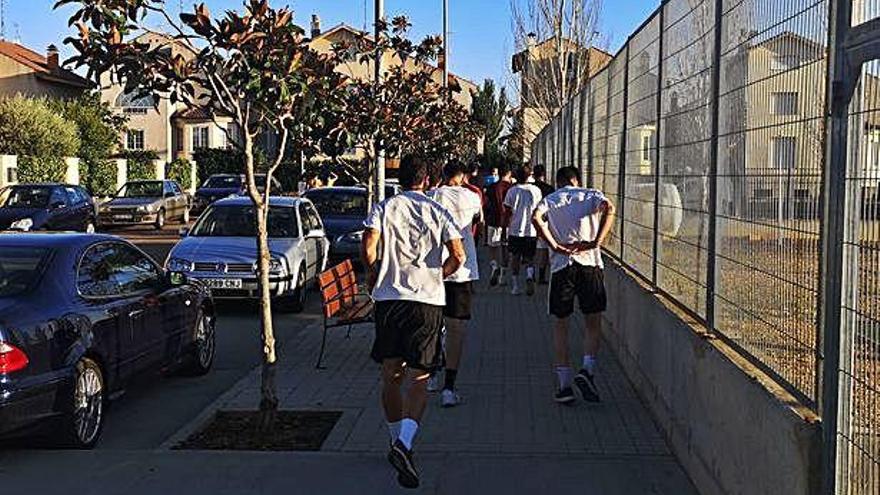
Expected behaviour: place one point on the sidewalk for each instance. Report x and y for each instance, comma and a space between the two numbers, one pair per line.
508, 437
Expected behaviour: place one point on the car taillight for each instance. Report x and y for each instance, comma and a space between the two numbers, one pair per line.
11, 358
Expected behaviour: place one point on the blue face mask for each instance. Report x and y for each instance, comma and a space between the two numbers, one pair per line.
491, 179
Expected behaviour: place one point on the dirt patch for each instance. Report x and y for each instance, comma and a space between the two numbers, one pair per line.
236, 430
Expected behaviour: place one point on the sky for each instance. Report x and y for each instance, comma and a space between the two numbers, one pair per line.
480, 32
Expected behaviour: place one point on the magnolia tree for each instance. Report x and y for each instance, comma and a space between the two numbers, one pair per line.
255, 67
408, 110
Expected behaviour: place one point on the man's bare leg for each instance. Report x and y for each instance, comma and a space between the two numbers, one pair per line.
542, 261
585, 379
392, 400
515, 264
455, 332
564, 373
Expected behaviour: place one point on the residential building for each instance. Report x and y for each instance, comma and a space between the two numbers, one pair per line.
538, 97
172, 130
26, 72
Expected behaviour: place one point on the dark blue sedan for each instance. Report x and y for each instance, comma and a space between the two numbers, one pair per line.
48, 206
219, 186
79, 315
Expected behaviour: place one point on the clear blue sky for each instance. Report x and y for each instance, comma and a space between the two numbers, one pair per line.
480, 39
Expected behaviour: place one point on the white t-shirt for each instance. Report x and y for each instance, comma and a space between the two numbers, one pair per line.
414, 230
522, 200
464, 205
573, 214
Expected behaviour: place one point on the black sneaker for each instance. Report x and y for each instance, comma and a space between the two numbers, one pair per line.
493, 280
587, 386
401, 458
530, 287
564, 396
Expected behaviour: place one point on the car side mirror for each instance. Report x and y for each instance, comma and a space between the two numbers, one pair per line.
57, 205
169, 194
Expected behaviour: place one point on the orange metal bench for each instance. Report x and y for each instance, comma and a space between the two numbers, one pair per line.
342, 302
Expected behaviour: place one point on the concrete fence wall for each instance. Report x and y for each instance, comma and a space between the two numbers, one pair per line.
732, 428
72, 175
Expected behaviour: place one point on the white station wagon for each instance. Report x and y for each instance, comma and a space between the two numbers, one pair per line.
221, 250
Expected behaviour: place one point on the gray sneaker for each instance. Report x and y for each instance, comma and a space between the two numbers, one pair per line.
586, 385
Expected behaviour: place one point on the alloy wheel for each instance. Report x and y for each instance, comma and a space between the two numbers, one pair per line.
88, 404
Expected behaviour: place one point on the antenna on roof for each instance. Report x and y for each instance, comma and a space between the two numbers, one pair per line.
17, 38
2, 19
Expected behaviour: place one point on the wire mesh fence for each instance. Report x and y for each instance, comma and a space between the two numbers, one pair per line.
708, 130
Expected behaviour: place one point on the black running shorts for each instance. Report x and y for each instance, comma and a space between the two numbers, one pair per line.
587, 283
458, 300
522, 246
410, 331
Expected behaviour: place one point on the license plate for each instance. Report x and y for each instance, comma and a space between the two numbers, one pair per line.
122, 217
222, 283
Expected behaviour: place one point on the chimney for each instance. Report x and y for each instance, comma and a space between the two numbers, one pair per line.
52, 58
531, 40
316, 26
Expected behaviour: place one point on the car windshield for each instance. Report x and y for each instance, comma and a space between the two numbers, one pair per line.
238, 221
339, 203
25, 197
223, 182
20, 268
151, 189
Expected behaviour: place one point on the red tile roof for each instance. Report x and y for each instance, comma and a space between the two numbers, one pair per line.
39, 65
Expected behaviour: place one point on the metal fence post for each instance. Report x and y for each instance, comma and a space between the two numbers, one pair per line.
590, 134
832, 238
657, 129
621, 180
712, 248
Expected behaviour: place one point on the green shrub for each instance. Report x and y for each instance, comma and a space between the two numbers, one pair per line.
99, 177
140, 164
30, 127
179, 171
41, 169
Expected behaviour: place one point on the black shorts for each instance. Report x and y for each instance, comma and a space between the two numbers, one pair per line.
522, 246
585, 282
458, 300
410, 331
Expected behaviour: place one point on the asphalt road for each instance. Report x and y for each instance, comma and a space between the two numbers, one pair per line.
156, 406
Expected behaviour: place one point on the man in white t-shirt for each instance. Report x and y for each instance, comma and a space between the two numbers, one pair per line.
575, 222
522, 238
403, 248
466, 208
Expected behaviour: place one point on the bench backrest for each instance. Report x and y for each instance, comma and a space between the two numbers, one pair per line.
338, 287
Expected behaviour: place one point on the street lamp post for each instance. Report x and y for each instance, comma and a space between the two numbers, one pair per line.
379, 165
445, 43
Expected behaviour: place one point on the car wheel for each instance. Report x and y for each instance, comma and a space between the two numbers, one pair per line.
160, 220
83, 417
90, 227
296, 302
204, 345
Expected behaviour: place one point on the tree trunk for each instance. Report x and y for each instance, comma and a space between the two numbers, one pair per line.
268, 393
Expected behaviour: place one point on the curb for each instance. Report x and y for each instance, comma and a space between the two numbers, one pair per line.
208, 412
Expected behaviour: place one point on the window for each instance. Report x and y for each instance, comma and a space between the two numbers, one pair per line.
134, 139
178, 139
58, 197
114, 269
136, 102
783, 151
21, 268
783, 62
232, 135
200, 137
646, 148
784, 103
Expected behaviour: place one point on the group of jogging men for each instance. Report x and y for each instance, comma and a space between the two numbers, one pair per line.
420, 253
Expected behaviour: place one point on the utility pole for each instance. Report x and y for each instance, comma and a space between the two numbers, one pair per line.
379, 166
445, 43
2, 19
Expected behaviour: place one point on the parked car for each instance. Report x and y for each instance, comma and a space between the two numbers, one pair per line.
145, 202
80, 314
343, 210
219, 186
28, 207
220, 250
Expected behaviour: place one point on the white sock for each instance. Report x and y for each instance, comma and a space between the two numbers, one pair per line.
590, 363
515, 281
530, 272
564, 374
408, 429
394, 430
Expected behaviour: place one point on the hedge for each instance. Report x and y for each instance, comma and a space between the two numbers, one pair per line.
180, 171
140, 164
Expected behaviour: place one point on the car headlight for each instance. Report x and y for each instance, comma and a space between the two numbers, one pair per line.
143, 209
180, 265
353, 236
23, 224
275, 266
